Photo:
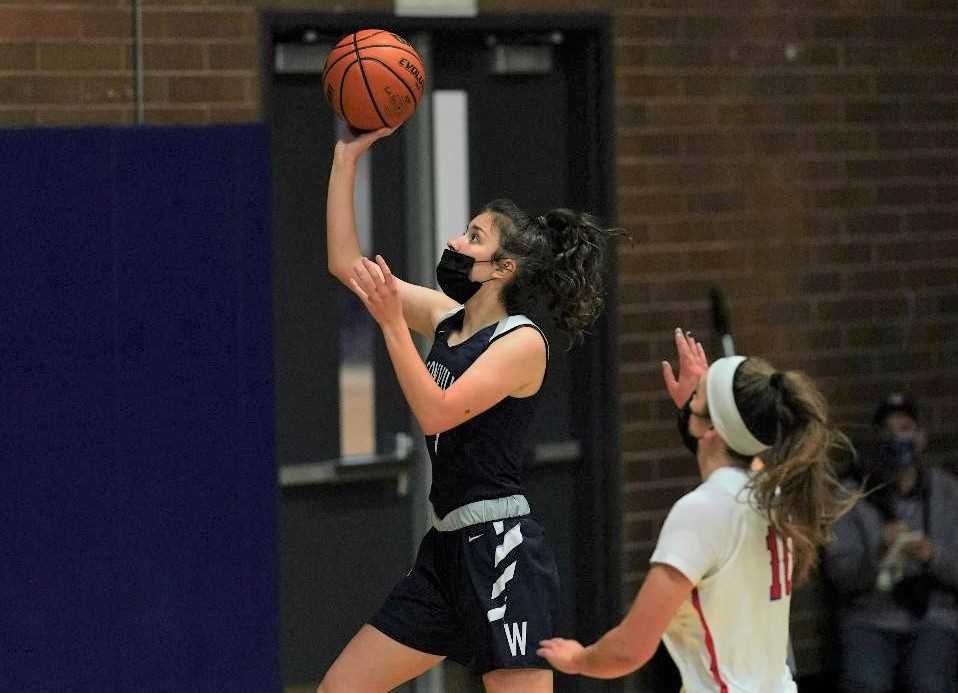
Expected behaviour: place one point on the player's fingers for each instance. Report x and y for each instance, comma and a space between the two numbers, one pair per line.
690, 344
372, 268
700, 350
375, 273
365, 140
693, 352
681, 344
384, 268
361, 275
366, 280
378, 134
359, 272
669, 376
357, 289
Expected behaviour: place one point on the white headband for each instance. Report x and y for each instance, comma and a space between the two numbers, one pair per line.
722, 410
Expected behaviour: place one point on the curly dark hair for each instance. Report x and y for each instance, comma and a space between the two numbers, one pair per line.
559, 258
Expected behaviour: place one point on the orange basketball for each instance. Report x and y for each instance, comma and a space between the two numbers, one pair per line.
374, 79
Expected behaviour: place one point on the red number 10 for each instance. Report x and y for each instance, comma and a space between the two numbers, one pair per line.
778, 567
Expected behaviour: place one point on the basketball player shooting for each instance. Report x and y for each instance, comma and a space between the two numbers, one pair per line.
484, 588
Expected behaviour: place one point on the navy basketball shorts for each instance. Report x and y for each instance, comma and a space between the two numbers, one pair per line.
484, 596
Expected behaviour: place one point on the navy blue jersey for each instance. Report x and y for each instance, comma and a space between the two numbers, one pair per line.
483, 457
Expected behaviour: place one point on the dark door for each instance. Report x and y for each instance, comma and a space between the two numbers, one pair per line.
538, 127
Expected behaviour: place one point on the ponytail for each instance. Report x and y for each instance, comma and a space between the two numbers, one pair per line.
797, 488
559, 257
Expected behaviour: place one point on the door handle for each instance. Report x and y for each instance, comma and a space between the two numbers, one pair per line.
339, 470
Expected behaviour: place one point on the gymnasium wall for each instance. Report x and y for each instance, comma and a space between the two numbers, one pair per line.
138, 502
801, 155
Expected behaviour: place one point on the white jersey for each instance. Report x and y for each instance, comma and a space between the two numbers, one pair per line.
732, 634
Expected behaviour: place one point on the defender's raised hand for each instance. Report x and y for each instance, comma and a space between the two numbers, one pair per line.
692, 364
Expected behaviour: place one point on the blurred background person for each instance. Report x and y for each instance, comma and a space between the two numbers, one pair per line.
893, 565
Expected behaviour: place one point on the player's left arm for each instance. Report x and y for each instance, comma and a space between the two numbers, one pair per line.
511, 364
632, 643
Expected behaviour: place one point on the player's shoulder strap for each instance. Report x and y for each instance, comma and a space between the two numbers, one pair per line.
510, 323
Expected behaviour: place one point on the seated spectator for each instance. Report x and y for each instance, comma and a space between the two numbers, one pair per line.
894, 566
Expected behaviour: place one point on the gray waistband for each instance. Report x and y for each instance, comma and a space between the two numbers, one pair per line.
482, 511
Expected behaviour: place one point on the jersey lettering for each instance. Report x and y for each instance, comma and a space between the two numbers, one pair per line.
779, 567
517, 639
443, 377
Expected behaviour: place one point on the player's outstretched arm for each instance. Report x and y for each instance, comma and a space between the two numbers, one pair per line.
342, 242
422, 306
632, 643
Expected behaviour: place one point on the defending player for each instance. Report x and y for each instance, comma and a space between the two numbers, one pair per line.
720, 585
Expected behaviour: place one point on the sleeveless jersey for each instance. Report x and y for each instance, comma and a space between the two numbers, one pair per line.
481, 458
731, 636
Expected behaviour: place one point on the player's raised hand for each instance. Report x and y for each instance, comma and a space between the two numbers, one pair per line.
562, 654
351, 149
692, 364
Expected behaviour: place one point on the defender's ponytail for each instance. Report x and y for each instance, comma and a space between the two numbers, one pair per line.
797, 487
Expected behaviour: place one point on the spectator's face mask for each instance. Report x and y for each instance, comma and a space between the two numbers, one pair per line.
898, 451
901, 442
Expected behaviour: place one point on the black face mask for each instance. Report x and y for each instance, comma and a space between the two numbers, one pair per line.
683, 417
452, 273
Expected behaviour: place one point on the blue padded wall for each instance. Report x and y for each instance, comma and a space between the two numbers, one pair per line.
138, 501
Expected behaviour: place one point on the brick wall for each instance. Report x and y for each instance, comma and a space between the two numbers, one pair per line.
804, 161
70, 63
801, 155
